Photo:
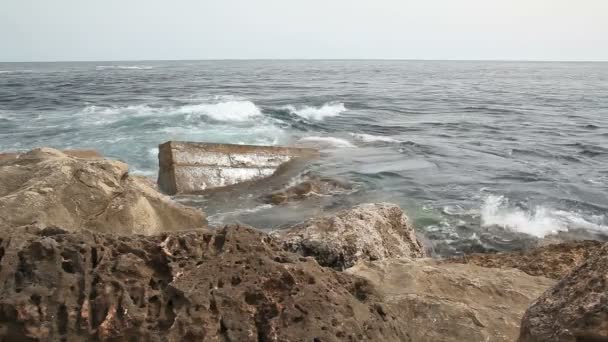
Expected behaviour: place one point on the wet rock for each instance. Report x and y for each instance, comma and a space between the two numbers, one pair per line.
551, 261
365, 232
575, 309
310, 185
189, 167
453, 302
48, 187
233, 284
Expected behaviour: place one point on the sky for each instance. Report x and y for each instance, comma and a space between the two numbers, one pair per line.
95, 30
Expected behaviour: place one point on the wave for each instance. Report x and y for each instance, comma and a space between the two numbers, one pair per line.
223, 111
15, 71
325, 142
238, 111
124, 67
318, 113
369, 138
542, 221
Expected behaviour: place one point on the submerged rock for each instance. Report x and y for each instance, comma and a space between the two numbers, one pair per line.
189, 167
551, 261
365, 232
575, 309
311, 185
48, 187
233, 284
453, 302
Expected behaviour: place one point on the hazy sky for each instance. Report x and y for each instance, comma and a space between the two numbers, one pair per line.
41, 30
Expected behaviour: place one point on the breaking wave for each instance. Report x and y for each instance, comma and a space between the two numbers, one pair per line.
229, 111
223, 111
325, 142
318, 113
539, 222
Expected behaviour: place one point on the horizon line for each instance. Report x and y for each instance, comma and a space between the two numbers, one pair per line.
312, 59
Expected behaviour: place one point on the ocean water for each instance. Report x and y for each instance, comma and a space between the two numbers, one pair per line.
481, 155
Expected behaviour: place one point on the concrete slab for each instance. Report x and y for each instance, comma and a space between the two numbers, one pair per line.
192, 167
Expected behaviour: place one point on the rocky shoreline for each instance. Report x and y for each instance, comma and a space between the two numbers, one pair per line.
90, 252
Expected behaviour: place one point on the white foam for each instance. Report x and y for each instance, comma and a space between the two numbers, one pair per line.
145, 173
220, 218
326, 142
223, 111
236, 111
369, 138
539, 222
318, 113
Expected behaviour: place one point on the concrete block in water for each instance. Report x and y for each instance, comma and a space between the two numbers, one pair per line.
190, 167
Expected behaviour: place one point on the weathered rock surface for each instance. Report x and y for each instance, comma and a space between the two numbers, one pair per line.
311, 185
233, 284
48, 187
575, 309
551, 261
365, 232
188, 167
453, 302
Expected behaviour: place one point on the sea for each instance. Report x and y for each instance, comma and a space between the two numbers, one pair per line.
482, 156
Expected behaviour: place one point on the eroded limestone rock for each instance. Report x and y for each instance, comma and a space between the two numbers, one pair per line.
365, 232
453, 302
552, 261
48, 187
575, 309
310, 186
232, 284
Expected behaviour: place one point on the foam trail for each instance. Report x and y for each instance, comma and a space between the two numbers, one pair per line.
326, 142
369, 138
540, 222
318, 113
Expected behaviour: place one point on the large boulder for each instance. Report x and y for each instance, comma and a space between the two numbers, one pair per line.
48, 187
453, 302
552, 261
232, 284
365, 232
192, 167
575, 309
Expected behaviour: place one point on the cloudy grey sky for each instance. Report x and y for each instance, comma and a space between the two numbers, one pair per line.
51, 30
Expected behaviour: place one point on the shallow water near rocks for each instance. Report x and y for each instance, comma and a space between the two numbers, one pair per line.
481, 155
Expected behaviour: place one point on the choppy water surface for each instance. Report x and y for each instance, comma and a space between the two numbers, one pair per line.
482, 155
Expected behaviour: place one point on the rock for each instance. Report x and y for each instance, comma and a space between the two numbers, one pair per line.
233, 284
575, 309
188, 167
311, 185
365, 232
453, 302
48, 187
551, 261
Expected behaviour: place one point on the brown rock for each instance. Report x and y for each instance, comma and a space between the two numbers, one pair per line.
48, 187
453, 302
551, 261
575, 309
311, 185
365, 232
234, 284
189, 167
